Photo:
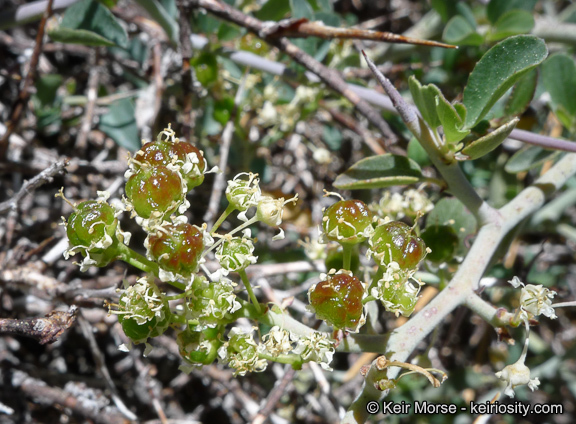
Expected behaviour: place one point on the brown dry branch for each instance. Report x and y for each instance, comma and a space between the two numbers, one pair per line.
274, 397
24, 94
302, 27
83, 406
330, 77
45, 330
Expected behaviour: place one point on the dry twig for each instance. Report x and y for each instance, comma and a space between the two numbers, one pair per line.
46, 330
329, 76
24, 94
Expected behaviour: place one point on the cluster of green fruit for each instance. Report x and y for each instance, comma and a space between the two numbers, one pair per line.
339, 297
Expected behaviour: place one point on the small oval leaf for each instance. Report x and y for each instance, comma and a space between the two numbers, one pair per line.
528, 158
380, 171
489, 142
451, 212
522, 94
559, 78
497, 71
459, 31
511, 23
78, 36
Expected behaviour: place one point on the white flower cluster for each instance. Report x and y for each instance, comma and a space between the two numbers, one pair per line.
141, 302
241, 352
397, 289
398, 205
278, 341
316, 348
535, 300
244, 193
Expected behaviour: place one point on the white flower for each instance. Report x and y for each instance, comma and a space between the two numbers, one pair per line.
316, 348
243, 193
270, 211
535, 300
278, 342
517, 374
268, 115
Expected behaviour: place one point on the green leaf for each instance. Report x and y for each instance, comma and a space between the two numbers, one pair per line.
332, 136
119, 124
522, 94
90, 15
325, 5
301, 9
416, 152
559, 78
466, 12
490, 141
163, 18
458, 31
273, 10
206, 68
78, 36
451, 120
445, 8
497, 8
380, 171
424, 98
451, 212
46, 87
528, 158
497, 71
511, 23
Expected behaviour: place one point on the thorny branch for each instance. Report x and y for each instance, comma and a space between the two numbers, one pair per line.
295, 28
330, 77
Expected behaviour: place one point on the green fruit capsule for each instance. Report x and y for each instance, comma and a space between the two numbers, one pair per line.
347, 221
155, 192
91, 225
177, 248
338, 301
394, 241
143, 312
185, 155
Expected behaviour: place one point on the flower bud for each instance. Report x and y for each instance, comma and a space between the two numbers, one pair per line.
243, 193
241, 353
235, 254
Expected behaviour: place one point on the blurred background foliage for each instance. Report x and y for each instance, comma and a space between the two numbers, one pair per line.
114, 72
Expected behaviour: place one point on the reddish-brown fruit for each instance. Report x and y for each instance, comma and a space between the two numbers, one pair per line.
338, 301
177, 248
396, 238
346, 221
